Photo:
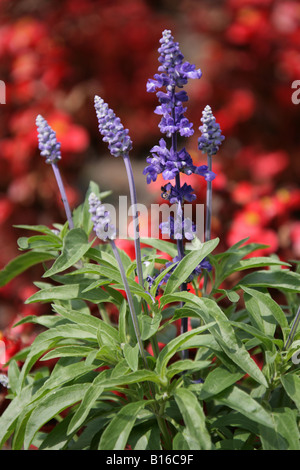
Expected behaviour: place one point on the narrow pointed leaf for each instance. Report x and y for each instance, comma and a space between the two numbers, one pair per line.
116, 434
187, 265
195, 432
222, 330
75, 245
50, 406
21, 263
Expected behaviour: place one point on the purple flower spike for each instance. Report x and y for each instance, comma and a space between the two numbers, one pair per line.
211, 137
112, 130
174, 73
48, 145
101, 219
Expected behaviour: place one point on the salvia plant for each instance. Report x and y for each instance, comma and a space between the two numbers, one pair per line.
227, 379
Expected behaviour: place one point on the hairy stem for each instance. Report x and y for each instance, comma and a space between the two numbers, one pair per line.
208, 202
137, 244
130, 303
63, 194
207, 234
180, 247
133, 197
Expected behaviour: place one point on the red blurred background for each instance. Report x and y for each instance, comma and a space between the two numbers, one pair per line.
56, 55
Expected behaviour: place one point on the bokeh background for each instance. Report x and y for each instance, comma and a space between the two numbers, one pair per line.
55, 55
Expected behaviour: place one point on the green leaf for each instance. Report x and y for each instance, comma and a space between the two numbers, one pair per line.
116, 435
231, 444
161, 245
75, 245
179, 442
48, 321
282, 280
50, 406
37, 228
285, 432
251, 263
187, 265
145, 436
148, 325
91, 396
268, 342
186, 365
218, 380
105, 333
131, 355
47, 340
67, 351
195, 432
77, 317
69, 292
38, 242
166, 333
226, 263
10, 415
263, 310
158, 279
173, 346
81, 215
13, 375
242, 402
237, 421
21, 263
291, 384
57, 438
230, 294
113, 274
126, 379
222, 330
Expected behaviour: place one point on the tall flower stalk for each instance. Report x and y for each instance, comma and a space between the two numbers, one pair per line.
50, 150
119, 144
105, 231
209, 143
170, 162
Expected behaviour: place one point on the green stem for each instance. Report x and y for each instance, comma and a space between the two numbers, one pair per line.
104, 315
164, 429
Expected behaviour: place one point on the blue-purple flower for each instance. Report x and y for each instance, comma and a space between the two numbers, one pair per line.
101, 219
174, 73
112, 130
48, 144
211, 137
174, 194
170, 163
